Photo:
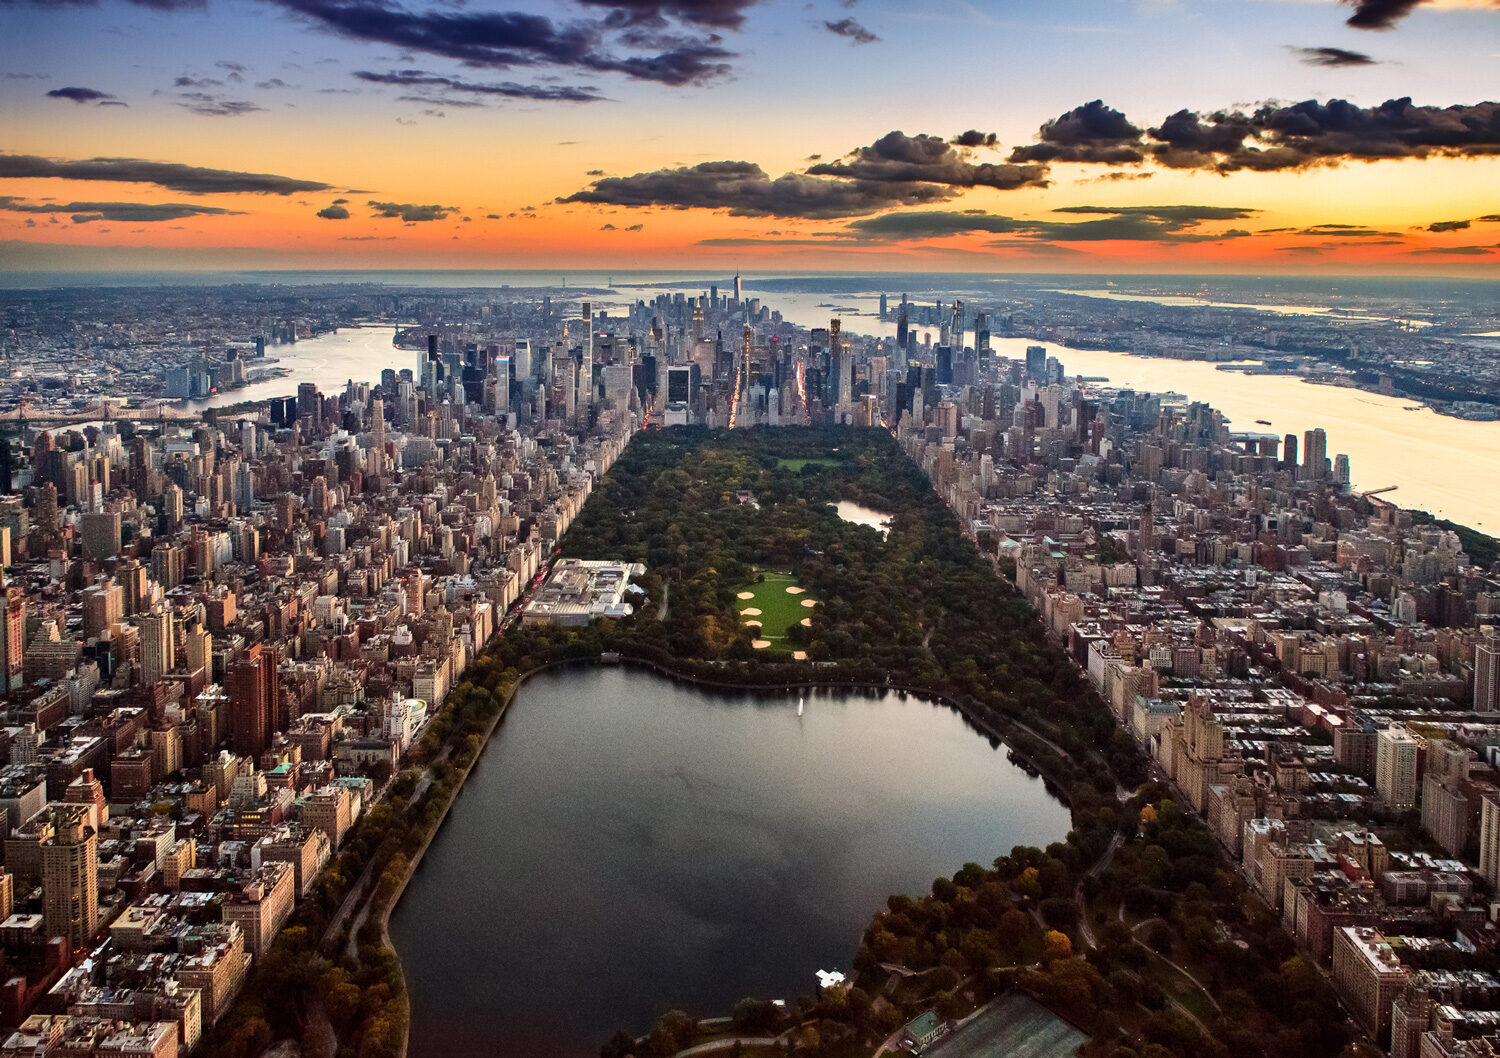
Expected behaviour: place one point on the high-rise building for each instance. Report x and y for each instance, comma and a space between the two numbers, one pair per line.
1489, 839
100, 532
1289, 451
158, 655
1036, 362
1487, 677
309, 407
12, 639
1315, 453
70, 883
1368, 975
1396, 767
252, 700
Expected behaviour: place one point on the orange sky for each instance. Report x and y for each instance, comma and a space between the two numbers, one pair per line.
308, 116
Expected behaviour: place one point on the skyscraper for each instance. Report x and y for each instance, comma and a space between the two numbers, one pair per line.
252, 700
1487, 677
1036, 362
1315, 453
157, 652
70, 884
1396, 767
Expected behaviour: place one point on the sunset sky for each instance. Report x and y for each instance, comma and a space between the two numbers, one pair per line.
1010, 135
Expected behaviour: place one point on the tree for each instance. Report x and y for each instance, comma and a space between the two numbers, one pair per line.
1056, 946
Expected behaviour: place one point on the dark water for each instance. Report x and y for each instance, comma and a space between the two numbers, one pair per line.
627, 845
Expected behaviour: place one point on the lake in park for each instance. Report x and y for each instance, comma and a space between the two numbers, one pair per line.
628, 845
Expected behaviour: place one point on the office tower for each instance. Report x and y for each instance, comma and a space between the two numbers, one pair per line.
101, 534
884, 307
522, 359
1289, 451
502, 384
1341, 469
252, 700
70, 884
1487, 677
103, 605
1315, 453
738, 295
1396, 767
903, 324
309, 407
158, 655
982, 337
1036, 362
244, 488
12, 639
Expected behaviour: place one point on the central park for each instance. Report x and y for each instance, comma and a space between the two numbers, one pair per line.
1132, 927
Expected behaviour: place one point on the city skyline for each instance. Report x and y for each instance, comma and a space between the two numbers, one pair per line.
1155, 137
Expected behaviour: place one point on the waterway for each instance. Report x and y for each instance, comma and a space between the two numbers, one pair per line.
860, 515
329, 360
628, 845
1444, 465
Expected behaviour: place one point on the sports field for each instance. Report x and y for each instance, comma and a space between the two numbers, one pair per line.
796, 465
774, 606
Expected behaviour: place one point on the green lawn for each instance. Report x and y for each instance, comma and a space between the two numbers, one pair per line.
779, 608
796, 465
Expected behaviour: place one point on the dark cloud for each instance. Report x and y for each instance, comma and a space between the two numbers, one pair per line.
214, 106
607, 227
718, 14
1090, 133
125, 212
1272, 137
1179, 214
1448, 225
1346, 231
410, 213
196, 82
1379, 14
848, 27
504, 89
1334, 57
1460, 251
1138, 223
507, 39
173, 176
635, 227
899, 158
746, 190
274, 82
975, 138
334, 212
79, 95
933, 224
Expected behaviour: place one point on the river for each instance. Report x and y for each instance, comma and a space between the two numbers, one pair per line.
1444, 465
330, 360
627, 845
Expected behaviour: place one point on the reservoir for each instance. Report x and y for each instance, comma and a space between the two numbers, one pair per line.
628, 845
